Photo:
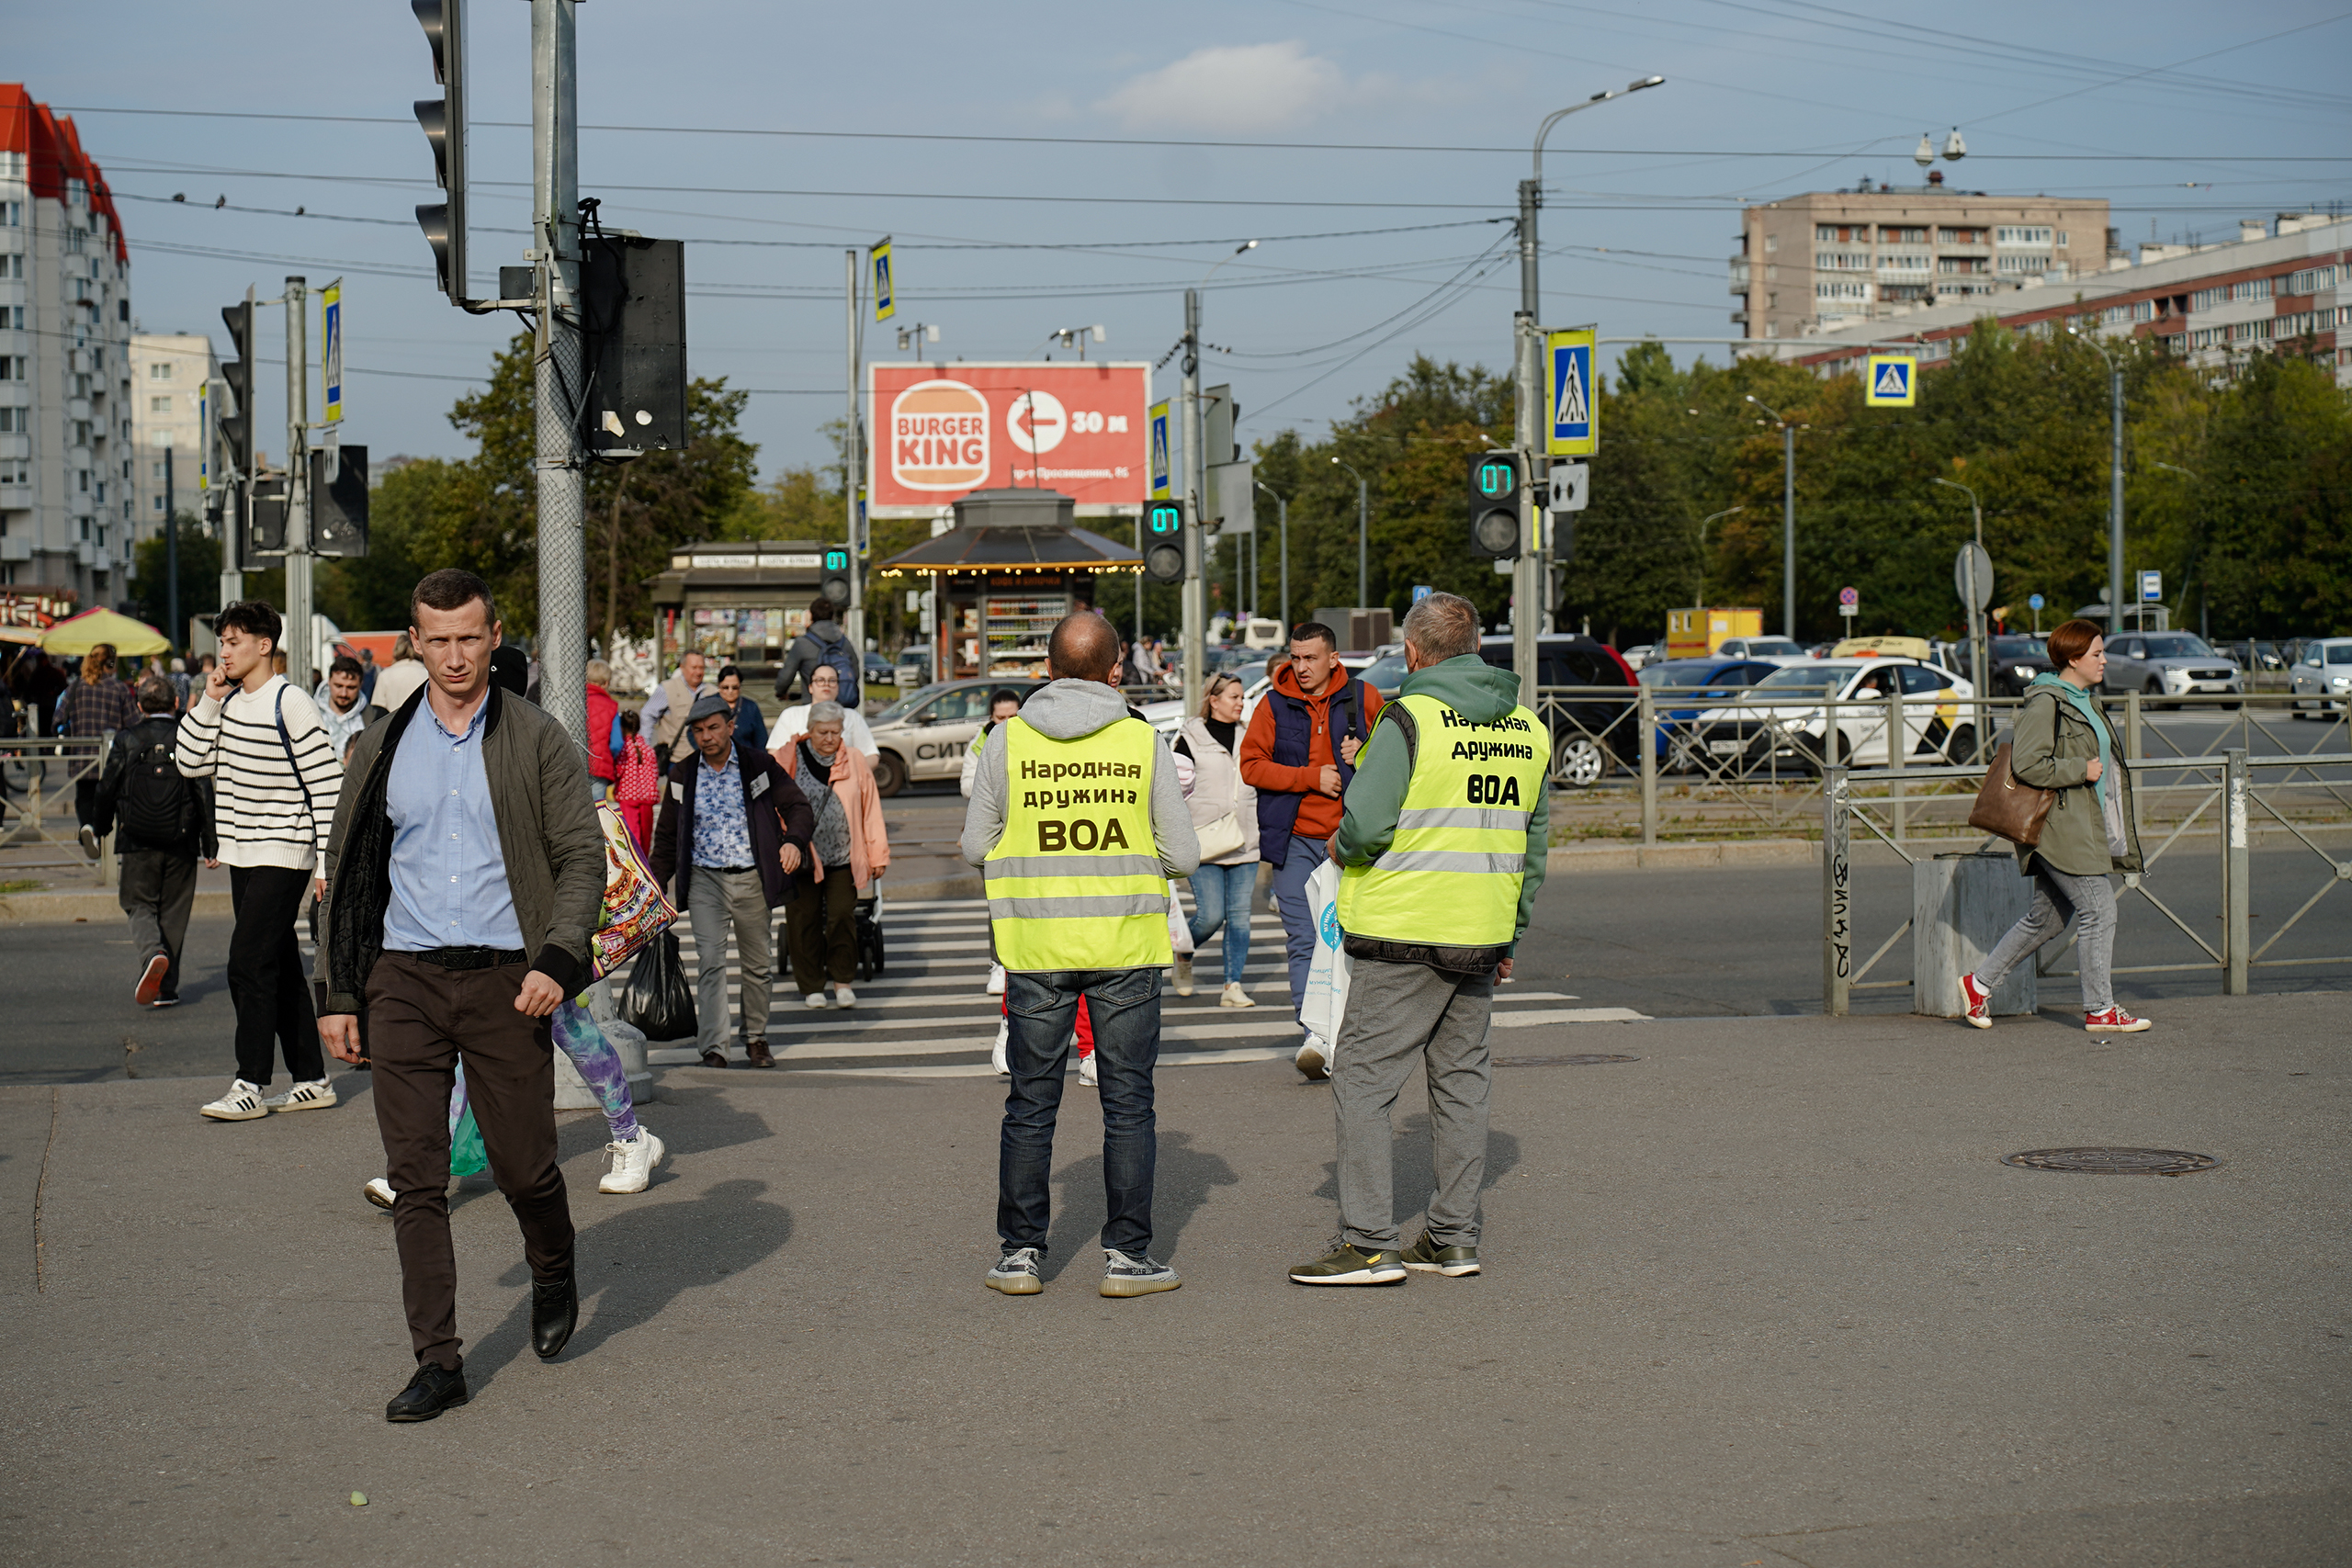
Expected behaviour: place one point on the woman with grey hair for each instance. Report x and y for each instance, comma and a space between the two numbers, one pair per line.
848, 851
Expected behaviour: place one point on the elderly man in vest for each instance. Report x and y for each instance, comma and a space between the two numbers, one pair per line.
1077, 822
665, 714
1444, 837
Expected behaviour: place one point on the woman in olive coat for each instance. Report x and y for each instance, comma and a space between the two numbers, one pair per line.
2062, 742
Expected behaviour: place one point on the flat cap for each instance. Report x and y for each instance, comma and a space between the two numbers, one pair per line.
710, 704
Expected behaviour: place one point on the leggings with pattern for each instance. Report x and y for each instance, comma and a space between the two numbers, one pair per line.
577, 1036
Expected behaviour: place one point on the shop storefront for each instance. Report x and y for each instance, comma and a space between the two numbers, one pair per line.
737, 602
1013, 564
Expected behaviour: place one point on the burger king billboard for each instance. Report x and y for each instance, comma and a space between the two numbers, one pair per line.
944, 431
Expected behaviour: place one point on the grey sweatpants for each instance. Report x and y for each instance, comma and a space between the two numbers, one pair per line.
1399, 1014
158, 891
715, 900
2058, 895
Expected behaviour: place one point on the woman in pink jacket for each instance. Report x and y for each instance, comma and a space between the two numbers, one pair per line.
850, 849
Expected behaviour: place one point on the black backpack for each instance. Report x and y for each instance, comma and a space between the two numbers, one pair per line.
157, 807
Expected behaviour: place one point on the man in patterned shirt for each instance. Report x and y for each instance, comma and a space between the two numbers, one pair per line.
733, 829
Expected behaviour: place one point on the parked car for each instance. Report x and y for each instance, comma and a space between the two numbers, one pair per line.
1642, 655
2259, 653
1590, 736
879, 671
2168, 665
2323, 679
913, 667
924, 734
1693, 685
1773, 649
1782, 720
2013, 661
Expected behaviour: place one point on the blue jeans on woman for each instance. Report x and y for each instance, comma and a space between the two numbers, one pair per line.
1221, 897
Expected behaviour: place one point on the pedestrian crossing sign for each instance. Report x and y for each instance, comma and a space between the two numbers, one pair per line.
1574, 428
1894, 381
1161, 467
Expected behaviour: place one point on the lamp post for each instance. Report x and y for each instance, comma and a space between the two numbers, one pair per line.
1364, 529
1975, 613
1195, 484
1700, 599
1282, 515
2196, 566
2115, 481
1788, 518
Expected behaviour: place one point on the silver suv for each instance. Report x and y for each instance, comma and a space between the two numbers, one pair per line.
2170, 664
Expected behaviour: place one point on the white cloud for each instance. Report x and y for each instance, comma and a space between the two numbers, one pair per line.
1249, 88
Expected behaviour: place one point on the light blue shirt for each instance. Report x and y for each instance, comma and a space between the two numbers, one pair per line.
448, 871
722, 829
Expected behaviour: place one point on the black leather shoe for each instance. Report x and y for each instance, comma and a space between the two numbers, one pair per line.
555, 1313
432, 1389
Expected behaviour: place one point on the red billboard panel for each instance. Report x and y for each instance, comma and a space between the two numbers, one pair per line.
944, 431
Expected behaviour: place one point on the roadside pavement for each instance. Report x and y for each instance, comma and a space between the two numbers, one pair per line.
1764, 1294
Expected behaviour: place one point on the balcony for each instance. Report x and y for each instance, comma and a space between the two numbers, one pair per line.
16, 547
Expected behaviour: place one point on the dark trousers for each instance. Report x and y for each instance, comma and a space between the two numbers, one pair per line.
820, 930
158, 891
1124, 1007
421, 1019
265, 977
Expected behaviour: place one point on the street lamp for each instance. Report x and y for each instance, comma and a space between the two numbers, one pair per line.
1363, 526
1975, 612
2115, 482
2197, 564
1788, 518
1196, 595
1531, 191
1282, 512
1700, 599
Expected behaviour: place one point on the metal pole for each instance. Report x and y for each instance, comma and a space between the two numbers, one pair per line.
1282, 512
1836, 896
1897, 735
2115, 500
1363, 546
1530, 305
299, 652
1788, 530
855, 625
1135, 637
562, 484
1525, 612
1647, 718
1976, 650
2237, 877
1192, 484
170, 555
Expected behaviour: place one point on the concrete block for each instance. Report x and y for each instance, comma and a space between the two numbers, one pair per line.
1961, 905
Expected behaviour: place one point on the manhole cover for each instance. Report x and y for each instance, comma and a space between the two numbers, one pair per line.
2113, 1162
1583, 1061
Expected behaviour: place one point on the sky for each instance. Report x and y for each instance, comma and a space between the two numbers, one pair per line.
1372, 147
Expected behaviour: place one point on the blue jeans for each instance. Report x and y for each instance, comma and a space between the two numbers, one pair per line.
1042, 1009
1221, 897
1298, 919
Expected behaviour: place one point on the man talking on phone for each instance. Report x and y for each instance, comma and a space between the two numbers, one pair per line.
465, 875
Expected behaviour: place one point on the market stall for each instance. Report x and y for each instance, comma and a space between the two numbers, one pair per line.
737, 602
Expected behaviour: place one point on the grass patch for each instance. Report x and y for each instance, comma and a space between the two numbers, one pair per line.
22, 884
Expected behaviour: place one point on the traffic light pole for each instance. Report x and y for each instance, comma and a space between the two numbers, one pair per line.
1193, 482
300, 657
562, 484
852, 467
1526, 577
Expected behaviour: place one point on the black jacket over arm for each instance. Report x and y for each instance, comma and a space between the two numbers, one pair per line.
779, 815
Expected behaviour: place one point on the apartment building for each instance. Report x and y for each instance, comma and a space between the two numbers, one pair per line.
170, 373
65, 496
2282, 287
1813, 261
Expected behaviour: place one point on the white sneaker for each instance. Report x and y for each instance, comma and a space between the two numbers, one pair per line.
1314, 1058
1235, 997
996, 979
242, 1103
379, 1192
317, 1095
633, 1162
814, 998
1086, 1070
843, 996
1183, 974
996, 1056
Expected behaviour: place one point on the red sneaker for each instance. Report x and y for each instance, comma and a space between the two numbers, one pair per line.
150, 988
2114, 1021
1976, 1003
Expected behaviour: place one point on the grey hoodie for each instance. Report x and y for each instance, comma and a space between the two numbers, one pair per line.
806, 652
1064, 710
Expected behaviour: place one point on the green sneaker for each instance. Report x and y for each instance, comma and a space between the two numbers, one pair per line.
1349, 1264
1429, 1258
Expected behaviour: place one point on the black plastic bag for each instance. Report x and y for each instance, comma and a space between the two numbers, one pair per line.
660, 1000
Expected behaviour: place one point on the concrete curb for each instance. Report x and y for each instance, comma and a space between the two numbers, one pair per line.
1683, 857
91, 904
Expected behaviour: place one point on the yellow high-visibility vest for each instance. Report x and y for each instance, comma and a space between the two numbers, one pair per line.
1452, 874
1075, 882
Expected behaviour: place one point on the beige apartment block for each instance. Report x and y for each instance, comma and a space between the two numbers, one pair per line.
169, 375
1813, 263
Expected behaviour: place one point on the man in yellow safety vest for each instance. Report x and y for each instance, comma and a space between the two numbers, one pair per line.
1444, 837
1077, 822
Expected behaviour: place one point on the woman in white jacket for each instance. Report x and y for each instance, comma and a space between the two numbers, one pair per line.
1225, 815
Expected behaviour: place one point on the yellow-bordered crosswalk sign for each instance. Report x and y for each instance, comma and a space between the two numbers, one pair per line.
1894, 381
886, 300
1161, 467
1574, 423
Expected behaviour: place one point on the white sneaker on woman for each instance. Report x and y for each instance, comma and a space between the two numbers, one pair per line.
633, 1163
843, 996
242, 1103
1235, 997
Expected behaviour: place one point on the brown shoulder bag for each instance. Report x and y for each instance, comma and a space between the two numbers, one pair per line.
2010, 809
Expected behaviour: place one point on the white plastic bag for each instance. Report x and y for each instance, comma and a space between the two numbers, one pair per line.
1180, 930
1327, 972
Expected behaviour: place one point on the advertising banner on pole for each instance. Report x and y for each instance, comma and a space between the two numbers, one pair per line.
944, 431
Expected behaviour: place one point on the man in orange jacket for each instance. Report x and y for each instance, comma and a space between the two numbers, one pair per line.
1299, 754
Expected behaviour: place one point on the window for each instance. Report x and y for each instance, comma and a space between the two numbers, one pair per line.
2252, 288
2062, 239
160, 371
16, 421
157, 470
1771, 243
12, 214
1825, 233
1841, 291
2027, 265
1956, 265
1903, 263
2020, 236
2311, 280
1902, 236
13, 267
1841, 260
158, 405
2206, 299
1960, 236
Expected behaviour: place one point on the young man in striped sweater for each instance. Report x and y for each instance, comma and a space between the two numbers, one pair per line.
275, 780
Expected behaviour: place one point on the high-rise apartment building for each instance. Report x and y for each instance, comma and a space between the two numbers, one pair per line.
1818, 261
65, 392
169, 375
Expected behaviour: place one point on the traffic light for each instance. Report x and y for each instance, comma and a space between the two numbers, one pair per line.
1163, 541
835, 585
1494, 505
443, 119
339, 501
237, 427
635, 322
266, 523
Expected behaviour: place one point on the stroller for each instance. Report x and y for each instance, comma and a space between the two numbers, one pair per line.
868, 921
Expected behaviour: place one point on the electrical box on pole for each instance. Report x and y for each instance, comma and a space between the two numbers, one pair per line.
634, 318
265, 528
339, 500
1495, 480
443, 120
1163, 541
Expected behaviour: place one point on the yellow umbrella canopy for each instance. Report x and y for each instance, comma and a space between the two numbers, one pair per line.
76, 635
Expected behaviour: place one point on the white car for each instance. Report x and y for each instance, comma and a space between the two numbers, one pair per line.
2323, 678
1781, 722
1770, 649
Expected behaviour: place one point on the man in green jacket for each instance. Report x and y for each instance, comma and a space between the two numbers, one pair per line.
465, 874
1444, 837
